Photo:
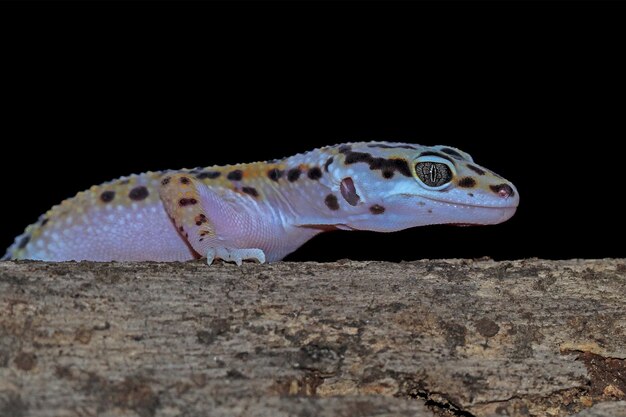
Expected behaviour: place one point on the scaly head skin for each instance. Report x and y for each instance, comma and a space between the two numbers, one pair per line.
393, 186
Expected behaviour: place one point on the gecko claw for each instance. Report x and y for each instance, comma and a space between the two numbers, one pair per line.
235, 255
210, 256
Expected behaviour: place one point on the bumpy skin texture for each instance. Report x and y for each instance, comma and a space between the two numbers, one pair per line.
268, 209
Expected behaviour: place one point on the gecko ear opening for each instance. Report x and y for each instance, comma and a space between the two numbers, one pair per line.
349, 192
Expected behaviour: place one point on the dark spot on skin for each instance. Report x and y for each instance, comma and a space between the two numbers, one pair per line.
274, 174
107, 196
293, 174
166, 180
504, 190
201, 218
332, 202
250, 191
23, 242
44, 222
327, 164
208, 174
452, 153
470, 194
181, 229
377, 209
187, 201
429, 153
355, 157
401, 166
184, 180
383, 146
467, 182
138, 193
235, 175
386, 166
315, 173
421, 203
476, 169
344, 148
201, 239
430, 211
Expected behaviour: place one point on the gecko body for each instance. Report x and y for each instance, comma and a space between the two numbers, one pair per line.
266, 210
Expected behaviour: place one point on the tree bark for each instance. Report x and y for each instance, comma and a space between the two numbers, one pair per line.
427, 338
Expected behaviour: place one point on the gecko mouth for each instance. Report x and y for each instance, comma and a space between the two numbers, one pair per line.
461, 214
481, 206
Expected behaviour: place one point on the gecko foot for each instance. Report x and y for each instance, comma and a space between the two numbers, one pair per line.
235, 255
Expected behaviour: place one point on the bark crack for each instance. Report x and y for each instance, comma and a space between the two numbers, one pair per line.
445, 408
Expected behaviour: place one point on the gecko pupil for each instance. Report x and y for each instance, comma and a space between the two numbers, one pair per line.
433, 174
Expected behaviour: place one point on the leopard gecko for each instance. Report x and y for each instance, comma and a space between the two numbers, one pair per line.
265, 210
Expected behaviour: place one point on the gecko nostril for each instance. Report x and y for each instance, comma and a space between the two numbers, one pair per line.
503, 190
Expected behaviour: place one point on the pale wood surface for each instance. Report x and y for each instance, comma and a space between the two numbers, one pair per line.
426, 338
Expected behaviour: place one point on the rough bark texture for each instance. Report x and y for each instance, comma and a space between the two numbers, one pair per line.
427, 338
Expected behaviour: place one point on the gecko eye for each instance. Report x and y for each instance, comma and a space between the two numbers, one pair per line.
435, 173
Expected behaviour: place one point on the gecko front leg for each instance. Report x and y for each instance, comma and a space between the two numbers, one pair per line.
213, 220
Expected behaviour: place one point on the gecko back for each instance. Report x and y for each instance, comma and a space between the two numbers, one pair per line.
266, 210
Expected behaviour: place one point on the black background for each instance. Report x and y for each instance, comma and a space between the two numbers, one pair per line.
533, 93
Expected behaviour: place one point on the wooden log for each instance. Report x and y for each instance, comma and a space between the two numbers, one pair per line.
426, 338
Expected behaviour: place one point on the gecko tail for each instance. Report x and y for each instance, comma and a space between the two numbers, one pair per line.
11, 250
16, 250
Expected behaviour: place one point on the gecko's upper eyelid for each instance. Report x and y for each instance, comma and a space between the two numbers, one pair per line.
438, 155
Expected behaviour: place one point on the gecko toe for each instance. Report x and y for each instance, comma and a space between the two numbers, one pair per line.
235, 255
210, 256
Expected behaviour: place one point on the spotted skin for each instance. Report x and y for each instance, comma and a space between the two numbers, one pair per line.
266, 210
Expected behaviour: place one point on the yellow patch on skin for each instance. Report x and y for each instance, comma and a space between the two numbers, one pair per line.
252, 174
399, 156
181, 200
130, 181
259, 170
36, 232
122, 188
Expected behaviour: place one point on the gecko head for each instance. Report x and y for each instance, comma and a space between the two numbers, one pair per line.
419, 185
461, 191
